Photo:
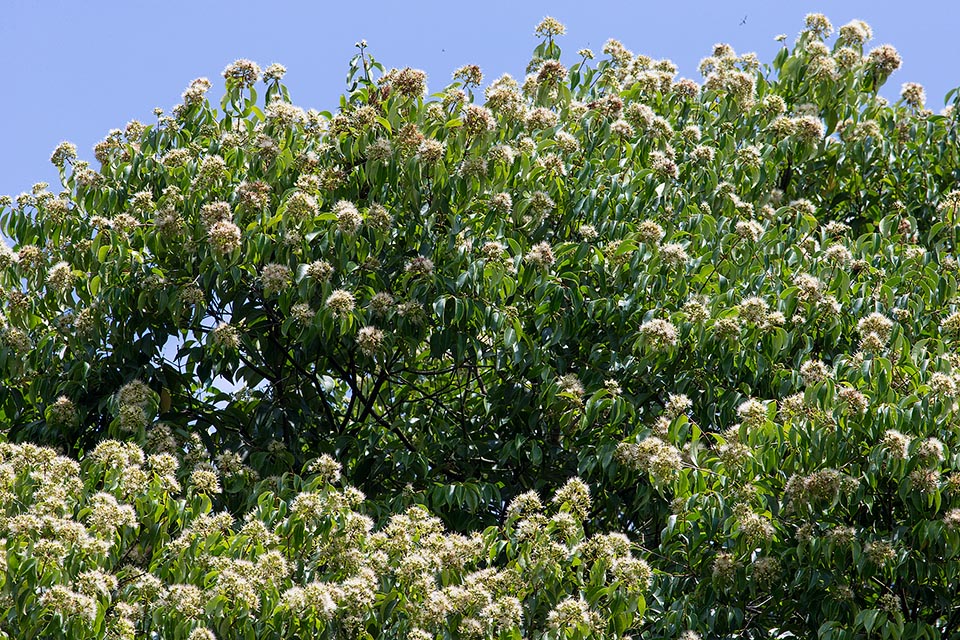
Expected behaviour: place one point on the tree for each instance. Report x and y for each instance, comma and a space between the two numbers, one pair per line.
729, 309
112, 547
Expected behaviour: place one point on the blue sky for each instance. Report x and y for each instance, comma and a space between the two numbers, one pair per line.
73, 70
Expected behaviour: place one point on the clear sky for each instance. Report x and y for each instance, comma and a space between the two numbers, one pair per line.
73, 70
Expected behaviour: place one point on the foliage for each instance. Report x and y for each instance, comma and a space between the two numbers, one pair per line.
731, 309
113, 548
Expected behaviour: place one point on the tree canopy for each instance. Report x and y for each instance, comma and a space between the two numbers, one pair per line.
715, 322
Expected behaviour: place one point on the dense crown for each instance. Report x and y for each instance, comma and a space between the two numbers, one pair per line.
719, 317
